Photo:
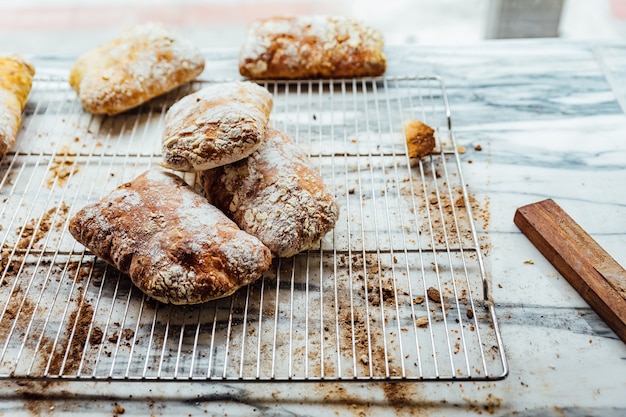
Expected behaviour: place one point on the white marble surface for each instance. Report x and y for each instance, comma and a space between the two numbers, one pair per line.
550, 125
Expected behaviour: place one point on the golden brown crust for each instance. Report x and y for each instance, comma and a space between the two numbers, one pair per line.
311, 47
144, 62
174, 245
16, 80
420, 138
275, 194
216, 125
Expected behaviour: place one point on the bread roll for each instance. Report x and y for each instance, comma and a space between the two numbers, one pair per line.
311, 47
175, 246
216, 125
144, 62
16, 80
275, 194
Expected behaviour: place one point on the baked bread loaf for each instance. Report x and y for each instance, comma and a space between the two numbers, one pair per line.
144, 62
175, 246
311, 47
216, 125
275, 194
16, 80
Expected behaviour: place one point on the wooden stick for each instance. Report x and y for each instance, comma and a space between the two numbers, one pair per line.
597, 277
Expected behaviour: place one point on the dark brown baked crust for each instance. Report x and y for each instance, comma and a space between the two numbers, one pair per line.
275, 194
311, 47
174, 245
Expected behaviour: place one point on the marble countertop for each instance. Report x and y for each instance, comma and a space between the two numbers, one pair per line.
549, 117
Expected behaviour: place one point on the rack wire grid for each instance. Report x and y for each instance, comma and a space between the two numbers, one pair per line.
396, 292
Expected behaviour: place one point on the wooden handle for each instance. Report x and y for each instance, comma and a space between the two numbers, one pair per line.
597, 277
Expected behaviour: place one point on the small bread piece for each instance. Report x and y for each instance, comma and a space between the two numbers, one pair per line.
16, 80
216, 125
311, 47
275, 194
420, 138
144, 62
174, 245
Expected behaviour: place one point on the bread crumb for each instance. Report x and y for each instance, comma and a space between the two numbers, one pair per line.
119, 409
421, 322
433, 294
420, 138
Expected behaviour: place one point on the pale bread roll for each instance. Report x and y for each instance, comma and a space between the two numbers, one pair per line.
216, 125
142, 63
16, 80
276, 194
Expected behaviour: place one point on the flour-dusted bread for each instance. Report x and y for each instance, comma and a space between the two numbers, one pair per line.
216, 125
16, 80
174, 245
142, 63
276, 194
311, 47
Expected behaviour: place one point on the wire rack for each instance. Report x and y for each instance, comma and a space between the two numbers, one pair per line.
397, 292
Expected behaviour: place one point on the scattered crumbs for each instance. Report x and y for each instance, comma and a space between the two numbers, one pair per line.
478, 148
529, 262
461, 149
36, 229
418, 300
62, 167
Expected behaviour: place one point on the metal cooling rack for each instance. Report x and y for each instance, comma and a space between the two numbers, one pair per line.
397, 292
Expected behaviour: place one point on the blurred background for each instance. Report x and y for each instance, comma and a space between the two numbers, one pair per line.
77, 25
